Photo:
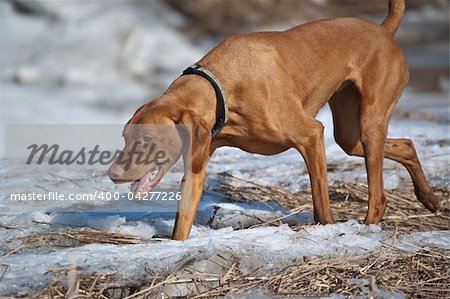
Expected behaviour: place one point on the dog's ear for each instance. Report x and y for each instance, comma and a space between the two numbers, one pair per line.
196, 139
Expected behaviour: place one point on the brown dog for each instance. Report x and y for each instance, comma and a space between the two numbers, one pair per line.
276, 82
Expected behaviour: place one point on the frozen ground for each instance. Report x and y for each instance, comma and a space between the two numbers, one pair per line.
35, 90
267, 248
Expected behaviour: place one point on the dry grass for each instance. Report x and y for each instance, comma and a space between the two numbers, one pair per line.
67, 238
348, 201
424, 274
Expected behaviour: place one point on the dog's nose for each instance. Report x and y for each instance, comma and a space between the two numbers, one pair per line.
115, 173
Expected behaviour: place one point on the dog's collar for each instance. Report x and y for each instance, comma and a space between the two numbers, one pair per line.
222, 107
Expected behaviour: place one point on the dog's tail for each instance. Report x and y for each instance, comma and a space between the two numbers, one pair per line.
395, 16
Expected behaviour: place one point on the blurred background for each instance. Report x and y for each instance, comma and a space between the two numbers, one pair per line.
97, 61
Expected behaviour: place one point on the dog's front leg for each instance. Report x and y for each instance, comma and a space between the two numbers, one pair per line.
191, 192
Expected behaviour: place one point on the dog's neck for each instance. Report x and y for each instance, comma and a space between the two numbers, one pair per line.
193, 93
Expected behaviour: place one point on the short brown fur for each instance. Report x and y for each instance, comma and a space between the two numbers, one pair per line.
276, 82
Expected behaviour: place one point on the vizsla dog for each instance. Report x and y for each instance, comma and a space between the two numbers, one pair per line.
270, 86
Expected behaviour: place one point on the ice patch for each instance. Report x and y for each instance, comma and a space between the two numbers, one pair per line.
264, 247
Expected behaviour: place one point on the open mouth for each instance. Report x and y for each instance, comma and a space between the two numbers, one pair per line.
147, 182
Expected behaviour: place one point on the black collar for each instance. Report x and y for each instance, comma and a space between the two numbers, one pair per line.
221, 108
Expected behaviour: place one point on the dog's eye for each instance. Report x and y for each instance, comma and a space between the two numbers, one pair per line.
148, 139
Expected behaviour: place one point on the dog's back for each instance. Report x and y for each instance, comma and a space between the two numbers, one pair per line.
285, 67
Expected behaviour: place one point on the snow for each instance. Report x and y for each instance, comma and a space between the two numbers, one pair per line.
268, 247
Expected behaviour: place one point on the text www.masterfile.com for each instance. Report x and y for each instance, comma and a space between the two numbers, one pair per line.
96, 195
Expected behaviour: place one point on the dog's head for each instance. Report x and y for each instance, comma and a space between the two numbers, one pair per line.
155, 138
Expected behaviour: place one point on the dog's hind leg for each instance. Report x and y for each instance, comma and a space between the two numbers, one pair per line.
312, 147
374, 123
345, 106
403, 151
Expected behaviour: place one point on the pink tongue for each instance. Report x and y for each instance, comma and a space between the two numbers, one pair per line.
145, 184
